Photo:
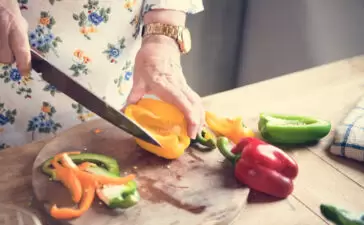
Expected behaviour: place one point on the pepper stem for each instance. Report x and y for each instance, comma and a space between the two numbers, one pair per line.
224, 145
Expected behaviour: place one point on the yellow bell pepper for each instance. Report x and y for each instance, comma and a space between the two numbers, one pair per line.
234, 129
166, 124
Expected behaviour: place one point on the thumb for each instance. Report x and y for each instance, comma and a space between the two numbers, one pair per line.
136, 93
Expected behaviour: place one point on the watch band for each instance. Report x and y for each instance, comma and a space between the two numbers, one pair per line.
179, 34
161, 29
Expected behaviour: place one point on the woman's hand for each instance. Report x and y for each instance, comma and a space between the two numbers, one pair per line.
158, 72
13, 36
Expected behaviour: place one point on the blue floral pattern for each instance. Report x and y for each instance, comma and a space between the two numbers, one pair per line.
91, 17
7, 116
15, 75
51, 89
122, 81
128, 75
114, 51
42, 38
95, 18
3, 119
10, 75
43, 122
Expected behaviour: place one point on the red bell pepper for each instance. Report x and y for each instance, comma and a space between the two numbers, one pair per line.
261, 166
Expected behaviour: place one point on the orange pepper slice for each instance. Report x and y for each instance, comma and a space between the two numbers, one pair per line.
233, 129
70, 213
85, 165
89, 183
97, 179
166, 124
68, 179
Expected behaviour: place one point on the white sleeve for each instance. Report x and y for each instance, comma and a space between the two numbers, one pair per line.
187, 6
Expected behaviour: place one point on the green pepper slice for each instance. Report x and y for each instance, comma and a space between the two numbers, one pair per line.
340, 216
205, 140
292, 129
107, 162
116, 196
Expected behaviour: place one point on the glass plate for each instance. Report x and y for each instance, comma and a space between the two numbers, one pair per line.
14, 215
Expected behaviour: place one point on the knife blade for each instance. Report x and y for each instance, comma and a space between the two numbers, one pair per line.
77, 92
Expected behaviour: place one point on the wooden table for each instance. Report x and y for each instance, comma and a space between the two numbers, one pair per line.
328, 92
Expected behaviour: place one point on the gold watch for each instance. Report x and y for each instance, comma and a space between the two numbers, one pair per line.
179, 33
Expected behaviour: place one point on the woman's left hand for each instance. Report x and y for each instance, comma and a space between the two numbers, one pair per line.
158, 72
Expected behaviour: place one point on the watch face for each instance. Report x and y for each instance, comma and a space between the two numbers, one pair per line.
186, 40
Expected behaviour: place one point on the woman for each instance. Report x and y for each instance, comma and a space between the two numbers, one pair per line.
99, 44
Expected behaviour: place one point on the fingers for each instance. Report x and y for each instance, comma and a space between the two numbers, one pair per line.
19, 44
6, 55
195, 99
174, 95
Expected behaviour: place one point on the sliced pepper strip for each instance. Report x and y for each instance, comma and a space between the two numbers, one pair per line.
119, 196
70, 213
88, 186
234, 129
85, 165
165, 122
105, 161
114, 196
98, 179
292, 129
69, 179
89, 183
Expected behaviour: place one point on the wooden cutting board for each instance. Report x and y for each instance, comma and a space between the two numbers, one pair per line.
196, 189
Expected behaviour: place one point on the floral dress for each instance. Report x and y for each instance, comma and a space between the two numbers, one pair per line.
94, 42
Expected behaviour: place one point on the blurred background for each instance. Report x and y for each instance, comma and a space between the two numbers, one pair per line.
239, 42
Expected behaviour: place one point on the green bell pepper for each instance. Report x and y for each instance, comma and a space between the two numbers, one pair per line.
340, 216
114, 196
205, 140
102, 160
292, 129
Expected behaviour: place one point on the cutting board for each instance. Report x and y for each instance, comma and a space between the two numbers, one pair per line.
196, 189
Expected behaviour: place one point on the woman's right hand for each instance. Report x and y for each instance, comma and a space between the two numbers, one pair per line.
14, 44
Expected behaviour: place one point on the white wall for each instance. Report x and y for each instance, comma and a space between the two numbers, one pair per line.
283, 36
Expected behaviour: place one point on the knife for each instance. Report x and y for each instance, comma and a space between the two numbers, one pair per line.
77, 92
